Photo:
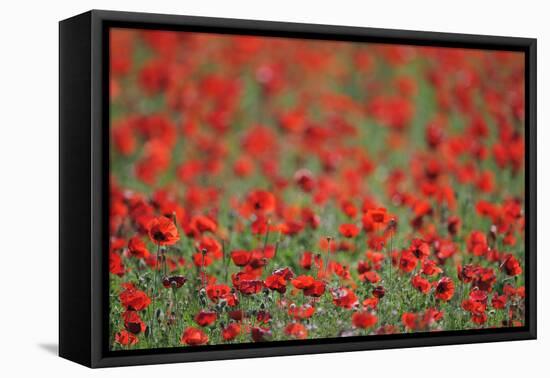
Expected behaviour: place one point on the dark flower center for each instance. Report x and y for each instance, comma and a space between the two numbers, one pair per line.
159, 236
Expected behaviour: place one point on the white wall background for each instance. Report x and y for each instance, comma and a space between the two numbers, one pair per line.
29, 185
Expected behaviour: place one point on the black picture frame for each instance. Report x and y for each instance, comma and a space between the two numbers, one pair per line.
84, 192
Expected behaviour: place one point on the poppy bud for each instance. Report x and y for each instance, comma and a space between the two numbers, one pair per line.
492, 235
202, 297
221, 305
379, 292
453, 225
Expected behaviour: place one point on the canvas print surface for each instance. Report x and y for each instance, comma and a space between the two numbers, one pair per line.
266, 189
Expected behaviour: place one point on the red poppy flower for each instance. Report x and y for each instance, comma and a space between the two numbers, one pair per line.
476, 309
189, 170
469, 304
420, 321
349, 230
154, 76
453, 225
133, 322
263, 316
484, 278
340, 270
307, 259
363, 267
126, 338
193, 336
432, 315
174, 282
231, 331
371, 276
479, 317
376, 258
465, 273
210, 246
205, 318
377, 243
303, 282
378, 215
511, 265
200, 224
249, 287
364, 319
124, 139
260, 334
407, 262
291, 227
236, 315
477, 243
162, 231
316, 289
486, 181
116, 244
134, 299
201, 259
479, 296
509, 239
430, 268
240, 258
310, 219
243, 166
410, 320
241, 276
301, 312
387, 329
421, 284
499, 301
260, 226
370, 303
257, 260
259, 140
296, 330
115, 264
304, 179
344, 297
276, 282
137, 248
349, 208
215, 292
261, 201
378, 292
419, 249
286, 273
445, 289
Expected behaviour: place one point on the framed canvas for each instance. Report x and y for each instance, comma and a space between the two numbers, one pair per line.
234, 188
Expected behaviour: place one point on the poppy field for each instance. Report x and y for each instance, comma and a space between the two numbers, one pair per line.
266, 189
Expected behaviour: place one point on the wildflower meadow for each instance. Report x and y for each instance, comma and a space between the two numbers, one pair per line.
266, 189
